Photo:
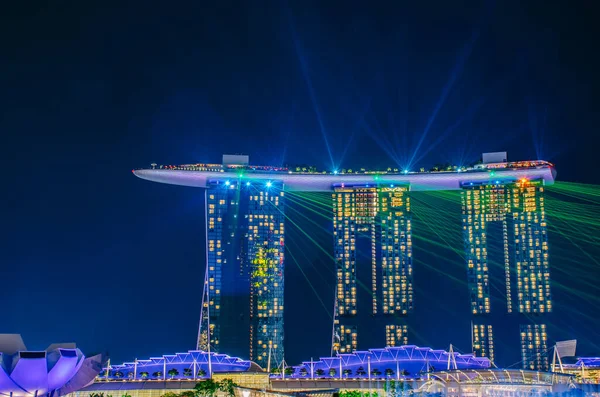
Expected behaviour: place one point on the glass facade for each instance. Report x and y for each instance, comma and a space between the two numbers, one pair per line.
518, 206
531, 247
396, 335
245, 269
380, 217
266, 245
534, 346
483, 341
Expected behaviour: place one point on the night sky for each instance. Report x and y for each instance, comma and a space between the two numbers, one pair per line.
91, 90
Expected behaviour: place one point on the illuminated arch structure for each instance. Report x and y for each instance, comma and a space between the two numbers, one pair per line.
421, 369
408, 360
496, 381
390, 362
192, 365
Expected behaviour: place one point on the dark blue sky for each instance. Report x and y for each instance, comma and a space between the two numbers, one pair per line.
90, 254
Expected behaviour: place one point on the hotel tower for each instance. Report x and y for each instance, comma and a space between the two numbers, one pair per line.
503, 222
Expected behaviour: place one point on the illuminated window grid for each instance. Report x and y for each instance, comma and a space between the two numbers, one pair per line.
348, 337
534, 346
483, 341
396, 335
396, 250
266, 253
217, 200
531, 248
344, 223
362, 209
474, 226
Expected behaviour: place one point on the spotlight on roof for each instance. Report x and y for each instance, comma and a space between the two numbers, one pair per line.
405, 171
335, 172
269, 184
247, 183
227, 183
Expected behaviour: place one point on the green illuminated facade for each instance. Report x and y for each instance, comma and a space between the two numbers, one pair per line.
245, 271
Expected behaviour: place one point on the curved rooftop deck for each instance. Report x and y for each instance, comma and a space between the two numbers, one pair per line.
200, 175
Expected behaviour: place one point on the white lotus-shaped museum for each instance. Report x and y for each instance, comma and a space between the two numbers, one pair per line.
38, 373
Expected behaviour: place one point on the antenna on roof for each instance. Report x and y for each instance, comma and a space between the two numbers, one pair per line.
451, 358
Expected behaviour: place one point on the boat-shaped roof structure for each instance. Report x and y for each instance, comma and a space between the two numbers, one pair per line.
203, 175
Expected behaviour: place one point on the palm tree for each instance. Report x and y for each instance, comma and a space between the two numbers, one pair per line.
144, 375
332, 372
320, 372
187, 393
290, 370
173, 373
389, 372
206, 388
118, 374
360, 371
201, 373
375, 372
404, 372
187, 372
347, 372
227, 386
303, 371
157, 374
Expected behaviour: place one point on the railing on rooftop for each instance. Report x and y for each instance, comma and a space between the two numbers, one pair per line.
362, 171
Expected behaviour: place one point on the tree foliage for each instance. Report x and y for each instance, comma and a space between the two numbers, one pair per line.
206, 388
356, 393
398, 388
227, 386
